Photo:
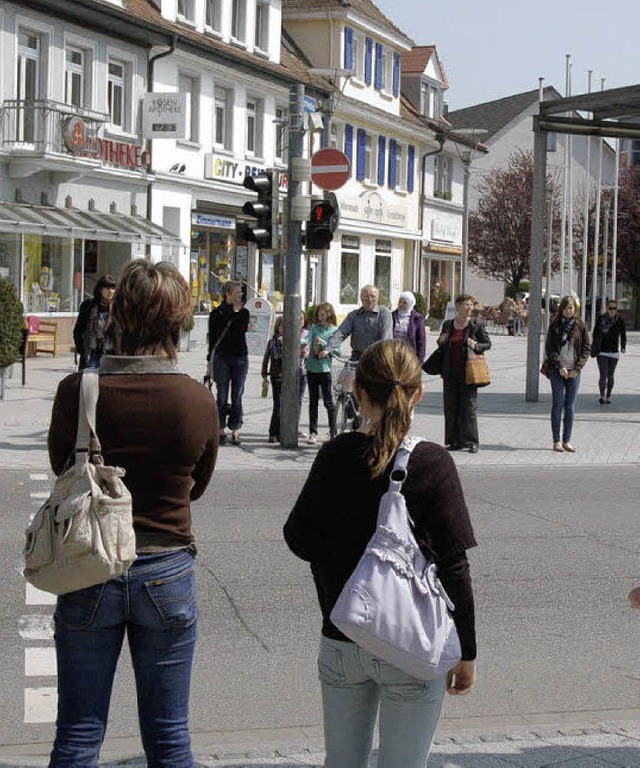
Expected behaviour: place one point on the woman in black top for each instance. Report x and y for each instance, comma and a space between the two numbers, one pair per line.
330, 526
228, 324
608, 333
90, 333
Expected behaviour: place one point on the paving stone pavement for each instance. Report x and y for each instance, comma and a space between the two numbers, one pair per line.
512, 433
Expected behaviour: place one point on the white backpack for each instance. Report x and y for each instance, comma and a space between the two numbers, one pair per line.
393, 605
83, 533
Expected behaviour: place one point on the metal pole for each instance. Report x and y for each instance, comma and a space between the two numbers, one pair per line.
596, 240
289, 415
547, 282
605, 249
535, 261
569, 189
614, 243
466, 161
585, 233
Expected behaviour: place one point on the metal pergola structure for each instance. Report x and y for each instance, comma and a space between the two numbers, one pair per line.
609, 110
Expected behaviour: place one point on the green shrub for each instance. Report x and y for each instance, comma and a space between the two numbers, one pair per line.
421, 304
439, 300
11, 322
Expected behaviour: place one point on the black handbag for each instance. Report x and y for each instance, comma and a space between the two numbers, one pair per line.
434, 363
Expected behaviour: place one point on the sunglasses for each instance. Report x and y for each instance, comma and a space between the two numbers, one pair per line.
613, 308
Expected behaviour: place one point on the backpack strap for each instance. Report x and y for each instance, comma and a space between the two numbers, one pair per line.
399, 471
87, 437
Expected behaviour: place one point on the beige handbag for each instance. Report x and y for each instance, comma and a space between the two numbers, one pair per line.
83, 534
476, 370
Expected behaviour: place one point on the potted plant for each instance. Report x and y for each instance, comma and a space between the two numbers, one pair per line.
11, 322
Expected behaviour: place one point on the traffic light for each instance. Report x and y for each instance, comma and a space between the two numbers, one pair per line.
264, 209
320, 225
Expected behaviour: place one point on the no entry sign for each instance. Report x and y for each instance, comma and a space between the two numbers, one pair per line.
329, 169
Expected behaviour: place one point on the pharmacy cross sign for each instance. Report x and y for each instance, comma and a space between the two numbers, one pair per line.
329, 169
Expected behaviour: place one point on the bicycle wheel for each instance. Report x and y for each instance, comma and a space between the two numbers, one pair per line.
342, 417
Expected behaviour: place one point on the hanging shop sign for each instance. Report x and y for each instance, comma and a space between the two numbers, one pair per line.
224, 168
81, 140
164, 116
444, 230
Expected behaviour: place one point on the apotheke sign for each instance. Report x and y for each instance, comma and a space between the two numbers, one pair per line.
164, 116
82, 141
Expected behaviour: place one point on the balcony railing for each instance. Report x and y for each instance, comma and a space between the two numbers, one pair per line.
43, 126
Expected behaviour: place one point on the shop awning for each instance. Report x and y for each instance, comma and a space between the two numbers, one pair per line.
89, 225
451, 250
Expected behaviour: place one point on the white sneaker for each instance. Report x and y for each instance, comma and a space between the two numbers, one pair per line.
302, 433
312, 439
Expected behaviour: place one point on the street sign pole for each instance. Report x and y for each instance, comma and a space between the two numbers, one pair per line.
289, 415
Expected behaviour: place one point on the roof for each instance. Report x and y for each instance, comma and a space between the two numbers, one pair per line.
495, 115
415, 61
366, 8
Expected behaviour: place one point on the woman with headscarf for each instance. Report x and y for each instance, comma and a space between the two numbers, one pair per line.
408, 324
92, 326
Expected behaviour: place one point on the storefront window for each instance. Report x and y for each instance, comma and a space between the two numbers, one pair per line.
48, 277
382, 274
349, 269
10, 258
212, 263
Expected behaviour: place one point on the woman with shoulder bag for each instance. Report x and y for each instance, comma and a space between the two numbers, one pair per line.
567, 348
457, 337
330, 527
161, 427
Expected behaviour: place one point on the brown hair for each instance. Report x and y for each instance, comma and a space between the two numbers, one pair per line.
151, 306
229, 287
389, 373
331, 313
465, 297
569, 300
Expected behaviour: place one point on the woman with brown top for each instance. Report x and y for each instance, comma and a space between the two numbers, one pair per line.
162, 427
330, 526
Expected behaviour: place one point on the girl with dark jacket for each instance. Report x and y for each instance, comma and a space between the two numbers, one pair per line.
456, 338
93, 324
608, 333
228, 325
567, 350
408, 324
330, 526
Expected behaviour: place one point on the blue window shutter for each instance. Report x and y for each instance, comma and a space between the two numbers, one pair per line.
348, 48
368, 58
348, 142
378, 82
410, 167
382, 146
362, 142
396, 74
392, 163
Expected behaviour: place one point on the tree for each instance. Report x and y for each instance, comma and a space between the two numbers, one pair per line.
500, 227
628, 246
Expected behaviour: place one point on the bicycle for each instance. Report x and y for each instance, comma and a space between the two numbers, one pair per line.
346, 406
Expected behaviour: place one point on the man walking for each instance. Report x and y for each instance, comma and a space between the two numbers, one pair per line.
367, 324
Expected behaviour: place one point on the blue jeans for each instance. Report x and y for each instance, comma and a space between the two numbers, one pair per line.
320, 382
155, 604
355, 685
232, 371
564, 393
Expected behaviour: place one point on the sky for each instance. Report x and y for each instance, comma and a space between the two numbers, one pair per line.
498, 48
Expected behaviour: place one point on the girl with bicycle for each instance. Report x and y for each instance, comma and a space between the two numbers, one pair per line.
330, 526
319, 369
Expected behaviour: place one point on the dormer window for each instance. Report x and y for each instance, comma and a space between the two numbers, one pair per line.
430, 100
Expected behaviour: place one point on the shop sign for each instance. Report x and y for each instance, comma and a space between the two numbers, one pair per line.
212, 221
373, 208
164, 116
82, 141
261, 317
224, 168
444, 231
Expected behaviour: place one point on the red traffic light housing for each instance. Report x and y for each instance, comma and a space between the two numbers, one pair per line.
320, 225
264, 209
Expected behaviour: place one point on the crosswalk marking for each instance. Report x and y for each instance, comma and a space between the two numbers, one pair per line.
39, 494
40, 662
35, 596
40, 705
38, 476
36, 627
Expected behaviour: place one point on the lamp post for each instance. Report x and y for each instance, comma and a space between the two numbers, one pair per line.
466, 163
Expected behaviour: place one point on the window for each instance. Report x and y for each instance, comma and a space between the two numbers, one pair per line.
29, 45
281, 125
222, 118
387, 70
370, 158
430, 100
359, 53
116, 93
74, 77
401, 166
442, 168
635, 152
238, 13
186, 10
262, 26
213, 17
349, 269
254, 127
191, 86
551, 142
382, 269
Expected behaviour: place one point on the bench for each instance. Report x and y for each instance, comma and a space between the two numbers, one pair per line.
44, 339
